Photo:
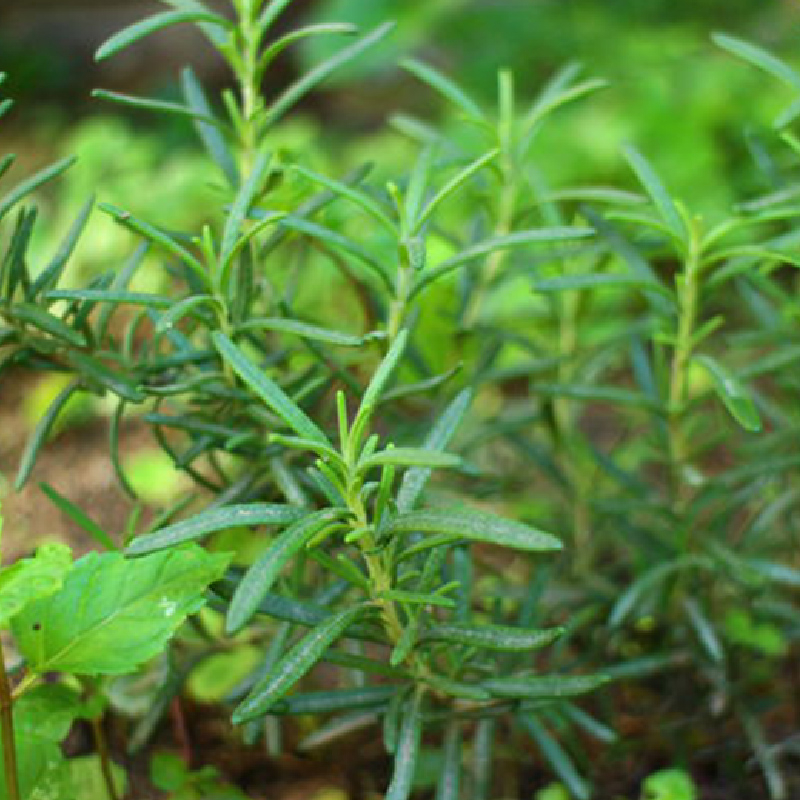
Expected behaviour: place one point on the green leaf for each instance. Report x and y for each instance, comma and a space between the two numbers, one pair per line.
556, 755
295, 664
247, 195
268, 390
133, 33
657, 192
408, 749
95, 370
313, 77
475, 525
408, 457
113, 614
40, 319
210, 135
161, 106
669, 784
535, 687
42, 432
156, 236
446, 87
216, 519
114, 296
306, 331
79, 517
33, 183
449, 784
573, 282
758, 57
32, 578
491, 637
279, 45
328, 702
381, 377
452, 186
732, 393
512, 240
440, 435
258, 580
418, 598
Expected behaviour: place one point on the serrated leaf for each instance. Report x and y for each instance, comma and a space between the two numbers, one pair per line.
491, 637
268, 390
732, 393
294, 665
133, 33
216, 519
258, 580
113, 614
475, 525
534, 687
32, 578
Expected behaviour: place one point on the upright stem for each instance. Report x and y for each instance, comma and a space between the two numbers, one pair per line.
249, 86
679, 374
7, 730
105, 759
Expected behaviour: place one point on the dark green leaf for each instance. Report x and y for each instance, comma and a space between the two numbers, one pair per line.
216, 519
534, 687
294, 665
113, 614
268, 390
265, 571
491, 637
139, 30
408, 748
732, 393
33, 183
476, 526
79, 517
40, 319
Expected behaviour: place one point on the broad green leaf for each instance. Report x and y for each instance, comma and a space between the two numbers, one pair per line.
409, 457
34, 182
268, 390
534, 687
295, 664
264, 572
669, 784
408, 749
732, 393
215, 519
79, 517
313, 77
446, 87
656, 190
42, 432
475, 525
42, 719
491, 637
32, 578
113, 614
440, 435
133, 33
